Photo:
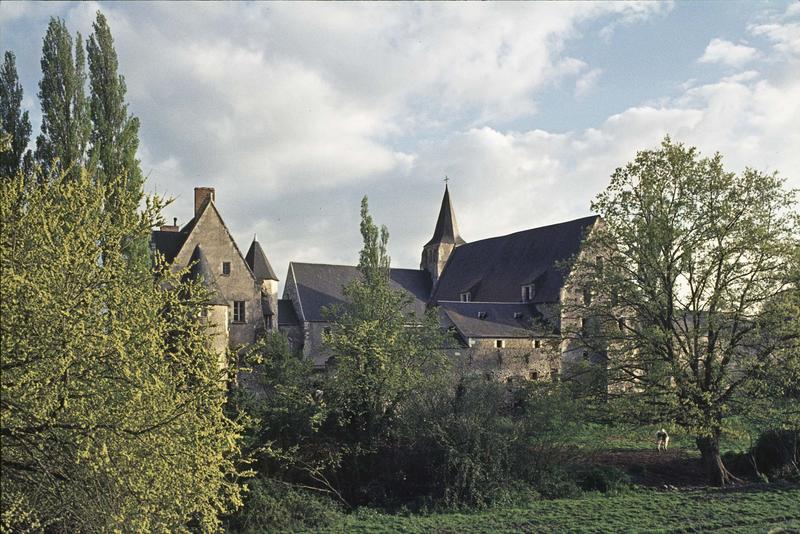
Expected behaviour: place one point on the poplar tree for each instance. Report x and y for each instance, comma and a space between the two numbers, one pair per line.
115, 133
16, 127
65, 110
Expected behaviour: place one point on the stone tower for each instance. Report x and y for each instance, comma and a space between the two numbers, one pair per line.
445, 239
216, 312
266, 281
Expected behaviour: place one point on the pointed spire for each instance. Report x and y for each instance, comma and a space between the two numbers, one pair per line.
446, 228
201, 270
258, 262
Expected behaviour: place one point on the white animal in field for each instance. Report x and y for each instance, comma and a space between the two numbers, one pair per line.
662, 440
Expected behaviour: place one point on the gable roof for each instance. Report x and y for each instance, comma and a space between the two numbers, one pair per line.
170, 246
319, 285
258, 262
494, 319
495, 269
446, 230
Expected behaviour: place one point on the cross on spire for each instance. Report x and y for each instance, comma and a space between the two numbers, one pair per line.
446, 179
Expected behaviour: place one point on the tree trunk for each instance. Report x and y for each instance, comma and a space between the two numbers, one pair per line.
711, 459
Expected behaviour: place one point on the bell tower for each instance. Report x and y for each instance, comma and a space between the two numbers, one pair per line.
445, 239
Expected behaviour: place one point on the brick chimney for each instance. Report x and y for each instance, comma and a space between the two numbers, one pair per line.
171, 227
202, 195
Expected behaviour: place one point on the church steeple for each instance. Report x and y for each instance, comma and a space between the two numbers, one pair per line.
446, 230
445, 239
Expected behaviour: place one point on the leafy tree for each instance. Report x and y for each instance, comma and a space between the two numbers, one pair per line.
115, 133
13, 121
65, 110
383, 354
112, 409
687, 281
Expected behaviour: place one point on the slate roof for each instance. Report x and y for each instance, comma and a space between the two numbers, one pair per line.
446, 230
200, 270
258, 262
494, 319
495, 269
320, 285
168, 243
286, 314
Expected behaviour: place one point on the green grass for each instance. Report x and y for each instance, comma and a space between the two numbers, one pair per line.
742, 510
619, 436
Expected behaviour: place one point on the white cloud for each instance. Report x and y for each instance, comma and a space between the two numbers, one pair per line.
587, 82
727, 53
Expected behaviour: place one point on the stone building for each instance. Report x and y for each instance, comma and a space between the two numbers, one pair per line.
246, 285
500, 297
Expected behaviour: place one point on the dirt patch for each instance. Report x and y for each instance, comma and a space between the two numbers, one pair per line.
676, 468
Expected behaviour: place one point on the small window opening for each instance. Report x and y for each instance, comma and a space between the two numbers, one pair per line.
583, 324
534, 375
499, 343
517, 315
466, 297
527, 293
587, 296
481, 315
537, 343
238, 311
226, 268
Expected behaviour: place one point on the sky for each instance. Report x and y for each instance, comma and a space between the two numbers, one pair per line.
295, 111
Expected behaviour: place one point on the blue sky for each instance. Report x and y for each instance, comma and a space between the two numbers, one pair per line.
294, 111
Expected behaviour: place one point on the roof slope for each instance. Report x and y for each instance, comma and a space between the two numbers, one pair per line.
258, 262
495, 269
168, 243
320, 285
286, 314
201, 271
495, 319
446, 230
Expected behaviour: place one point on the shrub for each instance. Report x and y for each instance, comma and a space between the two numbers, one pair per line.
272, 505
777, 452
556, 483
603, 478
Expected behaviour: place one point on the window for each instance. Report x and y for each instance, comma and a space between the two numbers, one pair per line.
537, 343
587, 296
527, 293
226, 268
534, 375
621, 324
471, 342
499, 343
238, 311
599, 264
466, 297
583, 325
481, 315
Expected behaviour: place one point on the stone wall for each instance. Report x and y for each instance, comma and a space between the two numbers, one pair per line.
218, 246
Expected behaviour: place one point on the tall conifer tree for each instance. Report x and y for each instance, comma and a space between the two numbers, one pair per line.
13, 121
115, 133
65, 114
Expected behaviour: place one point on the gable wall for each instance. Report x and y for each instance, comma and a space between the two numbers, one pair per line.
218, 246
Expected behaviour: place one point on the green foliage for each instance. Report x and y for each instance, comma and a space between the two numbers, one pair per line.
65, 109
112, 407
13, 121
698, 263
115, 134
271, 505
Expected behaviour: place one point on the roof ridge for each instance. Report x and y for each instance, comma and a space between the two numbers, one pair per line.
532, 229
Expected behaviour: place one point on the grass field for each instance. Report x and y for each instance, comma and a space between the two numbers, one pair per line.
751, 509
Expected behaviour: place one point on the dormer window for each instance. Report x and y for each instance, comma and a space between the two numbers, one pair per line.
466, 297
527, 293
481, 315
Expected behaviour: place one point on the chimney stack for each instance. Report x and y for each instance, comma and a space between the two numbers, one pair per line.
171, 228
202, 195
